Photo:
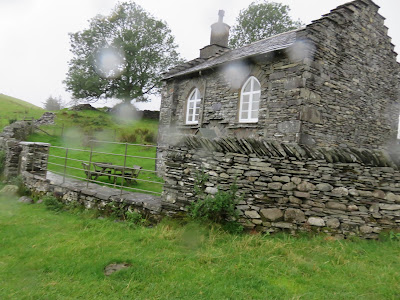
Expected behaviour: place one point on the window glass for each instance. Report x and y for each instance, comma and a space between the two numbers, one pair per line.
250, 101
255, 106
247, 88
193, 107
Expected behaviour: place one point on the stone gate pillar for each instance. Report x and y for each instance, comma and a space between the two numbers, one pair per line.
13, 150
34, 158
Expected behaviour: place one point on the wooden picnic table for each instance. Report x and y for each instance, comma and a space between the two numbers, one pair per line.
115, 171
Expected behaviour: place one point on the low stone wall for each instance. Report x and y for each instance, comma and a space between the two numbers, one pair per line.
9, 142
341, 191
150, 114
91, 195
30, 160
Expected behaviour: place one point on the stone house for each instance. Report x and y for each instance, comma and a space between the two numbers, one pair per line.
334, 82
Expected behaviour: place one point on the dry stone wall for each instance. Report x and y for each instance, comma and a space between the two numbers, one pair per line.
9, 143
29, 160
341, 191
92, 196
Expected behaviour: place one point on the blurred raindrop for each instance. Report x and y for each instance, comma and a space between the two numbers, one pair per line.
73, 137
236, 73
109, 62
126, 112
300, 50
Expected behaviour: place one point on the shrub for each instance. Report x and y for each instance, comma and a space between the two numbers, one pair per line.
52, 203
22, 189
12, 120
135, 218
219, 208
142, 131
394, 236
200, 180
128, 137
151, 138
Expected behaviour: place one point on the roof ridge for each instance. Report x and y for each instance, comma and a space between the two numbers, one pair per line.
270, 37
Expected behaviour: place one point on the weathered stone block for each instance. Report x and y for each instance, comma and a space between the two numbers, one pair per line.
296, 180
340, 192
283, 225
366, 229
272, 214
389, 206
392, 197
275, 185
333, 223
306, 186
294, 215
252, 214
289, 126
336, 205
281, 178
352, 207
324, 187
311, 114
301, 194
290, 186
378, 194
295, 200
211, 190
315, 221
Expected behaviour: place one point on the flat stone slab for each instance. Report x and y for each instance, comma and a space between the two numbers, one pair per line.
151, 202
112, 268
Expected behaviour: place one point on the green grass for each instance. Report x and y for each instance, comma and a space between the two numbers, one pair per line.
13, 108
44, 255
73, 130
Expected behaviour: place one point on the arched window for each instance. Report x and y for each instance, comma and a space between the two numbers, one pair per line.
250, 101
193, 107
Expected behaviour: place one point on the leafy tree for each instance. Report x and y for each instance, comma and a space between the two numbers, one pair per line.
122, 56
259, 21
53, 103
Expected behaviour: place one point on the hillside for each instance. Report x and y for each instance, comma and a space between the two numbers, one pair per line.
16, 109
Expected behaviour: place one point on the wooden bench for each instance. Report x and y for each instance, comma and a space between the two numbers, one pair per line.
129, 174
98, 171
103, 169
89, 174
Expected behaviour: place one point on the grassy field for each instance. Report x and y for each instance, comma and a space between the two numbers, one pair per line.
74, 130
44, 255
16, 109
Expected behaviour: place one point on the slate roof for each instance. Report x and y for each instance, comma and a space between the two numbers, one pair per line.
276, 42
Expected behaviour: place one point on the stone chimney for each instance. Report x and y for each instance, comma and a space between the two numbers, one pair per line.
219, 37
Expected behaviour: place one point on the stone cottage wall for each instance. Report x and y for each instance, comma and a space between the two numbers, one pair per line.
344, 191
220, 91
355, 75
337, 85
281, 97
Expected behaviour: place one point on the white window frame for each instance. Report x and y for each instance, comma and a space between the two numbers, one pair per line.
251, 94
190, 118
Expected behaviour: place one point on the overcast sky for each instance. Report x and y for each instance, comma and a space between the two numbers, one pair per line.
34, 41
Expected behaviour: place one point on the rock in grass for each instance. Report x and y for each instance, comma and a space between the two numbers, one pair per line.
9, 190
111, 268
25, 199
